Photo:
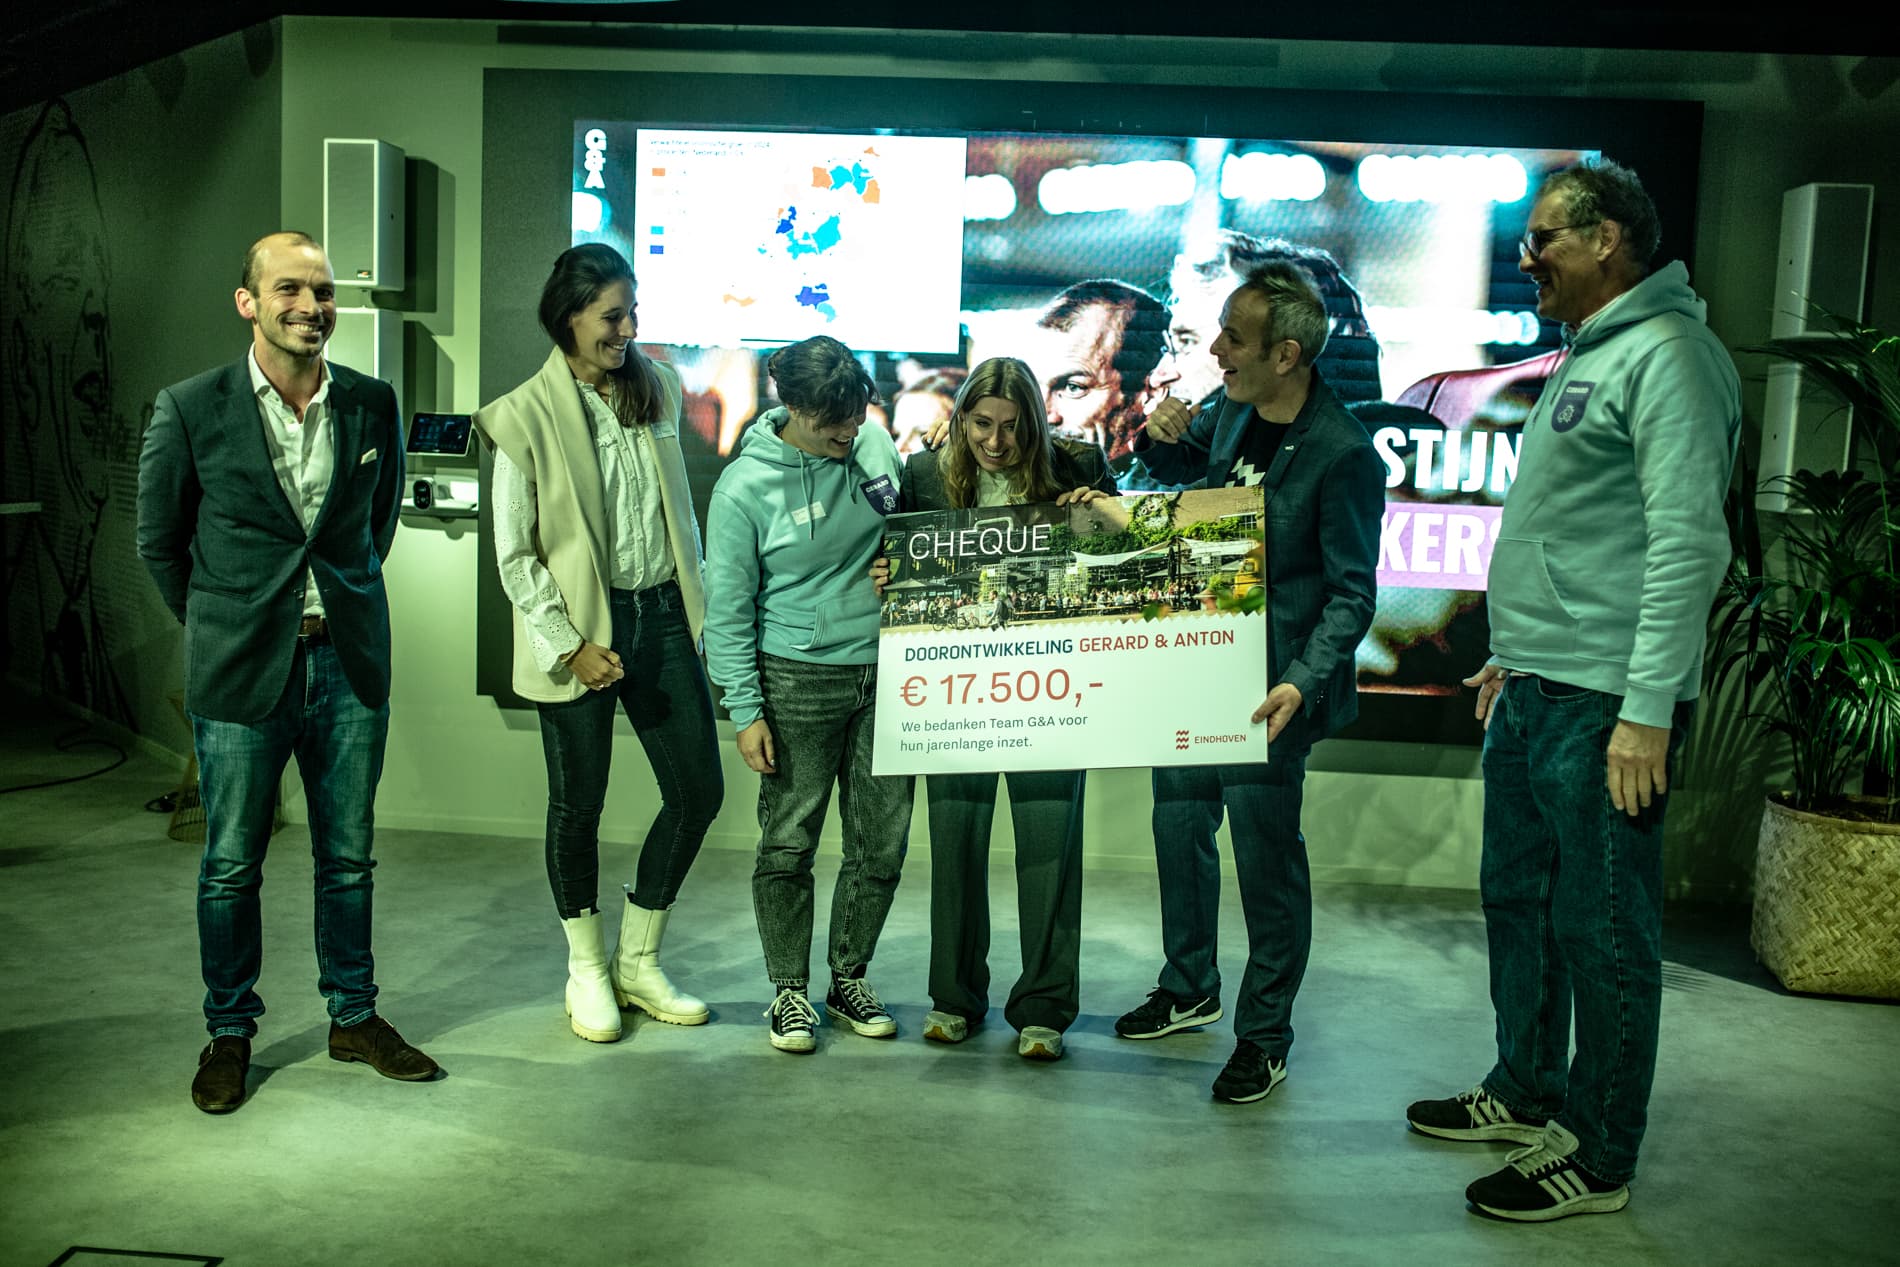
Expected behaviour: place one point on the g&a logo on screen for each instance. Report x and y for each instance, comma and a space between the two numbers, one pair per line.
1571, 403
596, 142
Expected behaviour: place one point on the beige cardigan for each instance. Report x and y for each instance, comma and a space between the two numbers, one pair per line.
543, 428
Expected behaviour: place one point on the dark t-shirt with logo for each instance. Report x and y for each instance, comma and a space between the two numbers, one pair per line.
1258, 447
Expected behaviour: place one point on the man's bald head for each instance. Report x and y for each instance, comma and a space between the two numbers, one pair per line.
254, 256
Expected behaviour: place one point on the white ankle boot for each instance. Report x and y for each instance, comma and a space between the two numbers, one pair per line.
590, 992
639, 981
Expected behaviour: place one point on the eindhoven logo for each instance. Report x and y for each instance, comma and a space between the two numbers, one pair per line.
1183, 738
1570, 405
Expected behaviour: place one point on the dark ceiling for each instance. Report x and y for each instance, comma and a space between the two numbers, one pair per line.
47, 51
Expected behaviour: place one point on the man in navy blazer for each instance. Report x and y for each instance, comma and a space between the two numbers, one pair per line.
268, 494
1276, 426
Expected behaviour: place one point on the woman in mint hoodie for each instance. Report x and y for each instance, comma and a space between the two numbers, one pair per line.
791, 635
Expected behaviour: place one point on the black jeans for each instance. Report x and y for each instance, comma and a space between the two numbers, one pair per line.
664, 693
1046, 807
1261, 801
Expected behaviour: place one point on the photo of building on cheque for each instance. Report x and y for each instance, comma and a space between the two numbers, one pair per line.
1142, 557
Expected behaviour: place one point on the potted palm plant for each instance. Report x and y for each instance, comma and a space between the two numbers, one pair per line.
1808, 628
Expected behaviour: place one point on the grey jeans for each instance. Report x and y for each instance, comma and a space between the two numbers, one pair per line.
821, 717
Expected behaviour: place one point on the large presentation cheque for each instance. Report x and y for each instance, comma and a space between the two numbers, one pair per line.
1129, 632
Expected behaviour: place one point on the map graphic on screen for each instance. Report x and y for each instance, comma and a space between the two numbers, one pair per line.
745, 238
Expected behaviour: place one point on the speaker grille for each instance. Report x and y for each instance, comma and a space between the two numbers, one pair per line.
349, 210
1822, 267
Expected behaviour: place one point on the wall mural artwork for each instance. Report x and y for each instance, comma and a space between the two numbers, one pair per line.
65, 445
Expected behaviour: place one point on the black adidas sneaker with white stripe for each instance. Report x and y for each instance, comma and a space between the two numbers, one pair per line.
1544, 1182
1473, 1115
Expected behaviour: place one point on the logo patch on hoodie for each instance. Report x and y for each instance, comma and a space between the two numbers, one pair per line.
881, 493
1571, 403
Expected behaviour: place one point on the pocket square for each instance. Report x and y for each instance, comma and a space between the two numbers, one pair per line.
367, 457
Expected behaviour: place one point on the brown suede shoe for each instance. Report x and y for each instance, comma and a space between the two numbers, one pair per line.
376, 1043
219, 1086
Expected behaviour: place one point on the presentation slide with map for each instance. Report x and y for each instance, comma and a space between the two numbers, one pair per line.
766, 238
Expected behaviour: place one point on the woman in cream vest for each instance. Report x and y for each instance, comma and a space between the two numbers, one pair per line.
599, 552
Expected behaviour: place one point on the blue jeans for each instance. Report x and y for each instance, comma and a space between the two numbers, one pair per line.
664, 695
1262, 805
338, 744
822, 717
1572, 890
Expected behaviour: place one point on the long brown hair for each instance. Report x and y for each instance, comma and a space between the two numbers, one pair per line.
1034, 473
580, 274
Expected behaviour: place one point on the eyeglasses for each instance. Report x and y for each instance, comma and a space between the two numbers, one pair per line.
1536, 241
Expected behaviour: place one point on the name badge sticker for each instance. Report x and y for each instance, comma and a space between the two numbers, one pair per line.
1571, 403
802, 515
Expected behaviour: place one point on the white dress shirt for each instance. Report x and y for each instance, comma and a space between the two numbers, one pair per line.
302, 453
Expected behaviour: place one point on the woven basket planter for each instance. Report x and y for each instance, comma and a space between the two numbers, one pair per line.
1827, 903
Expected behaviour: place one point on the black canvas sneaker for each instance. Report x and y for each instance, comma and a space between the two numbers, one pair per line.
1544, 1182
1250, 1074
1165, 1014
853, 1001
794, 1021
1472, 1115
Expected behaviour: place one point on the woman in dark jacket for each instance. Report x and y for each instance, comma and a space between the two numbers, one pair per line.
1000, 452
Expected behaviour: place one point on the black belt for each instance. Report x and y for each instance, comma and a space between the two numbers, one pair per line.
314, 629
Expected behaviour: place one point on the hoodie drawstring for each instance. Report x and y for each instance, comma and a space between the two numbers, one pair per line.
804, 480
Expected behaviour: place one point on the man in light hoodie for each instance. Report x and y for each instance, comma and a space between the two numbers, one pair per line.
791, 635
1612, 544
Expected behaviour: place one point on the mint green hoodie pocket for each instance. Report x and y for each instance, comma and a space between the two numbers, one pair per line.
849, 622
1527, 613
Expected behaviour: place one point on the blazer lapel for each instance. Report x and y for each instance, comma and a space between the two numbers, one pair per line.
1289, 448
346, 429
573, 435
245, 421
1317, 395
1228, 433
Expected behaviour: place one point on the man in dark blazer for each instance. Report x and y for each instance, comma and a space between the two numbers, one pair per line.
1276, 426
268, 493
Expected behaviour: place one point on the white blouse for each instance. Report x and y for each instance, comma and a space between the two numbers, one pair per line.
641, 556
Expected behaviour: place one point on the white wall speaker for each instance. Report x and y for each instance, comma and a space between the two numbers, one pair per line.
369, 341
1821, 271
364, 199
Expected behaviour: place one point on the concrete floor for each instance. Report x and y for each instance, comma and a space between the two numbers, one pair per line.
1772, 1132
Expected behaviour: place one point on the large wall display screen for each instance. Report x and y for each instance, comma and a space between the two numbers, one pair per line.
929, 229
